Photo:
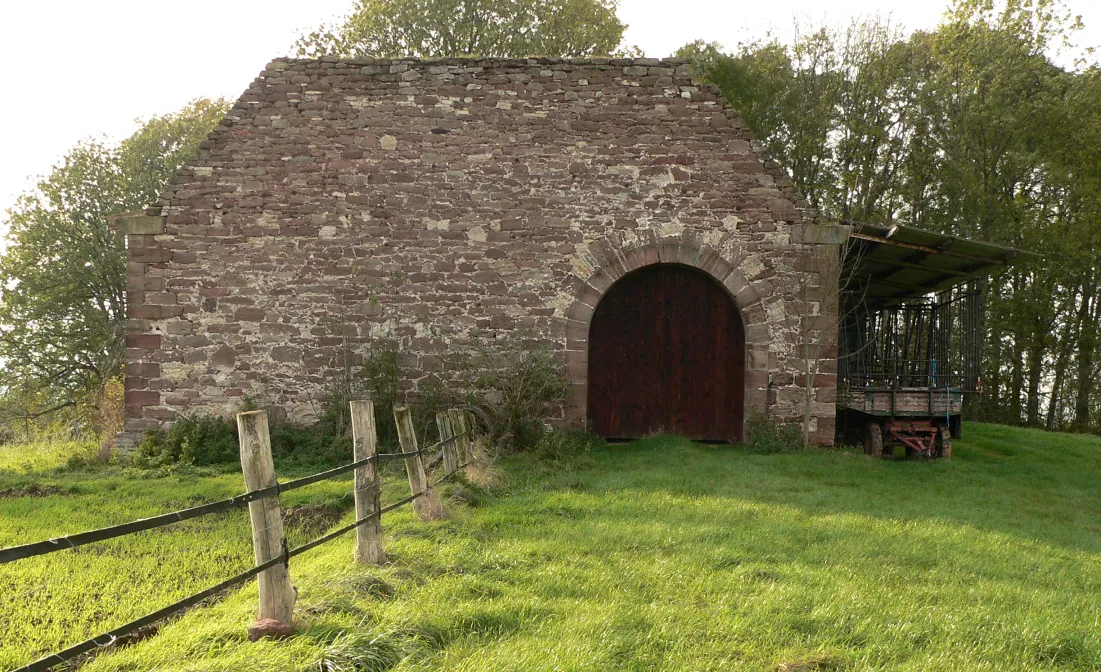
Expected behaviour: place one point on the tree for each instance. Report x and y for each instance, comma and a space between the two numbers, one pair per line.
969, 130
64, 279
486, 28
829, 107
63, 274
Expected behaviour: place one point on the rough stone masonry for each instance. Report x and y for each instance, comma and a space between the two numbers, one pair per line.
437, 202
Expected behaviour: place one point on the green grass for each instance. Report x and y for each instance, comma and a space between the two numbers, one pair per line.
660, 554
53, 601
41, 456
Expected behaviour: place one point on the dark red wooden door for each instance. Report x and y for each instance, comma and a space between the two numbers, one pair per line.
666, 354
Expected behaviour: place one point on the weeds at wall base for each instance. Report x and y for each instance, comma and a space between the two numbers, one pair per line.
514, 385
766, 435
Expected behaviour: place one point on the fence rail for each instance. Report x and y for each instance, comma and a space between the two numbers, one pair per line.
454, 450
13, 553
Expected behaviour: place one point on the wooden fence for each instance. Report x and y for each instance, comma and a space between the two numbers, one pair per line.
277, 596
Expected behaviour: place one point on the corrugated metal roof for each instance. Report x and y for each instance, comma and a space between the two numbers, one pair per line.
893, 263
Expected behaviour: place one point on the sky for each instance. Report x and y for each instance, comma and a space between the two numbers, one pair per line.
77, 69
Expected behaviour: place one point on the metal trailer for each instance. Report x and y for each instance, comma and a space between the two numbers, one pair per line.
922, 420
910, 336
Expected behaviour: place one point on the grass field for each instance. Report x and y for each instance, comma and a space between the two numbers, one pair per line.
52, 601
655, 555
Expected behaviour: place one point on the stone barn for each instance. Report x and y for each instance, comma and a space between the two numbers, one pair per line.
615, 208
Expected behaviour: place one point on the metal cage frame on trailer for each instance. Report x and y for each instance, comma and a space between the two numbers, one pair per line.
910, 335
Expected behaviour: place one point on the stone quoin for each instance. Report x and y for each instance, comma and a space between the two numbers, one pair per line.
437, 202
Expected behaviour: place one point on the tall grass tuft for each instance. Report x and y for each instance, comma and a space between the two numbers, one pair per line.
358, 651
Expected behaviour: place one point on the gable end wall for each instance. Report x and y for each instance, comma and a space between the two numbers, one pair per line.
439, 202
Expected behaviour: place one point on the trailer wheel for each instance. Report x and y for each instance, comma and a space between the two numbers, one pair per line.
955, 427
873, 439
944, 442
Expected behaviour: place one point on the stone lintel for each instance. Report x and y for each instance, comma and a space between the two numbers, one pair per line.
820, 234
137, 225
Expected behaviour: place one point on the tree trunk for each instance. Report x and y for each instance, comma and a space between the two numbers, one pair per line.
1018, 380
992, 383
1057, 383
1056, 387
1063, 348
1086, 344
1035, 369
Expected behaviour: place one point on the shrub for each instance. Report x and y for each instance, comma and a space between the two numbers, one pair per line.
375, 379
766, 435
309, 445
204, 440
379, 377
105, 414
512, 386
195, 439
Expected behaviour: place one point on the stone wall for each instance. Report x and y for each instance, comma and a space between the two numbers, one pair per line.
436, 202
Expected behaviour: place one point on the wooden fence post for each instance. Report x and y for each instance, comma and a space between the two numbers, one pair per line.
414, 466
471, 423
443, 423
277, 595
367, 487
460, 427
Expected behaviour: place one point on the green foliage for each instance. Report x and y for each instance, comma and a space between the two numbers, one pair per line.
968, 130
151, 156
64, 278
486, 28
660, 554
513, 386
379, 376
63, 274
206, 440
22, 421
200, 440
376, 377
766, 435
309, 445
203, 440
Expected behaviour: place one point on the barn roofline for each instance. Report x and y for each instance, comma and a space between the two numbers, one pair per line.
497, 61
244, 107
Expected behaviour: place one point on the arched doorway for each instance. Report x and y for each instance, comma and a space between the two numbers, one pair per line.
666, 354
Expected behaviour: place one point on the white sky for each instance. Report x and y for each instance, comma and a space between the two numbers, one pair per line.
81, 68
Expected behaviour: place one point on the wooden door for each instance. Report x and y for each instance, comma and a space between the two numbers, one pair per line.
666, 354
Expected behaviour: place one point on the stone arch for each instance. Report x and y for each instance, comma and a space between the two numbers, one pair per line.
609, 259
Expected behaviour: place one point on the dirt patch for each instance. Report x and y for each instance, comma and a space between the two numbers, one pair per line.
34, 490
483, 473
432, 507
312, 519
